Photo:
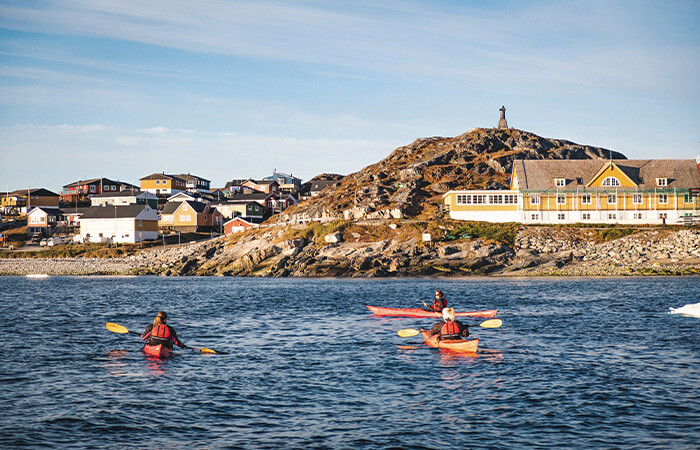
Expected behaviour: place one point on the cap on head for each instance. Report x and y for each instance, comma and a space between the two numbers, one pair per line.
448, 314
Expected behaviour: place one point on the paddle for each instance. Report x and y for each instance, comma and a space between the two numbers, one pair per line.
426, 305
491, 323
116, 328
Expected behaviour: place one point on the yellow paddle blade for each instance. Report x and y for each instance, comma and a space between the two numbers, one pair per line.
116, 328
408, 332
207, 350
491, 323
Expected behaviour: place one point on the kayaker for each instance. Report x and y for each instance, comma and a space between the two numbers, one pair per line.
449, 328
439, 303
159, 332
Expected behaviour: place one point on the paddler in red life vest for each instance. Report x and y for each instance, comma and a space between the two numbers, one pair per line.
439, 303
449, 328
159, 332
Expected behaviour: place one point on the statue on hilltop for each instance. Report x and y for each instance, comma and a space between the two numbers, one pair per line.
502, 124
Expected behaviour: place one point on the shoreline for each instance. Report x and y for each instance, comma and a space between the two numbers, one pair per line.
129, 267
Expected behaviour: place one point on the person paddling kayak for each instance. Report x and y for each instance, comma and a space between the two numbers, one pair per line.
449, 328
160, 333
439, 303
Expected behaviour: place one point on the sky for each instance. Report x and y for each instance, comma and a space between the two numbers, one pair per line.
236, 89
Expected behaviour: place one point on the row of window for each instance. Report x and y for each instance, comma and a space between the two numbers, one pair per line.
587, 216
609, 182
587, 199
487, 199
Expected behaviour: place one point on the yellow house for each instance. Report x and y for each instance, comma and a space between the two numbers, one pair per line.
190, 216
163, 184
591, 190
18, 201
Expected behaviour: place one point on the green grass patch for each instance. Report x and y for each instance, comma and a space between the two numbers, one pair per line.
501, 232
317, 231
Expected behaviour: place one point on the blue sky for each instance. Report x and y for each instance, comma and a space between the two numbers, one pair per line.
233, 89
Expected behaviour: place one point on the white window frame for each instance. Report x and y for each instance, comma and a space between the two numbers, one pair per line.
560, 182
586, 216
662, 199
534, 217
612, 197
637, 216
535, 199
612, 216
662, 181
561, 199
637, 199
561, 216
586, 199
461, 199
611, 182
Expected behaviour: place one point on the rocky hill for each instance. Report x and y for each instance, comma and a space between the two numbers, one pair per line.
410, 181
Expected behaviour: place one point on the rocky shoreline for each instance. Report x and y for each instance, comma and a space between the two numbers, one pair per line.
537, 251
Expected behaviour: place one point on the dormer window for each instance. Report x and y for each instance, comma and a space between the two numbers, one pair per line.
662, 181
611, 182
560, 182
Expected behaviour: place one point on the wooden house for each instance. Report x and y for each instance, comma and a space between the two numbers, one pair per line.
239, 224
122, 198
587, 191
119, 224
190, 216
80, 191
44, 220
162, 184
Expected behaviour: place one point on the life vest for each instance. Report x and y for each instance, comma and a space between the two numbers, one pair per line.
439, 304
450, 330
160, 334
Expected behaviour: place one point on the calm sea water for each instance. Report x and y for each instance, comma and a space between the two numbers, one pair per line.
578, 363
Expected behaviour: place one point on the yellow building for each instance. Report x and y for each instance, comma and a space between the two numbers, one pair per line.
163, 184
591, 190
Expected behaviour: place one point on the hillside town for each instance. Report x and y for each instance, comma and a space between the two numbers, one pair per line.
485, 176
104, 210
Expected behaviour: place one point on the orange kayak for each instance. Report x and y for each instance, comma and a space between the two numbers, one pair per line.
461, 345
417, 312
159, 351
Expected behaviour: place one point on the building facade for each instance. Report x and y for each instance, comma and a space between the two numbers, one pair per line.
587, 191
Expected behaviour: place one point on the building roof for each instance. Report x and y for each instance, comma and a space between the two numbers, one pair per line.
254, 197
261, 182
36, 191
113, 212
540, 174
235, 182
190, 177
160, 176
172, 206
93, 181
127, 193
49, 211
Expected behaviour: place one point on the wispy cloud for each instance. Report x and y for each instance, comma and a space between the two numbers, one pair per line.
558, 41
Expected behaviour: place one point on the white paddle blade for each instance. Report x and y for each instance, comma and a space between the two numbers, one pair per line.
408, 332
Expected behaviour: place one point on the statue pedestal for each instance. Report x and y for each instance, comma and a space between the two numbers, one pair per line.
502, 124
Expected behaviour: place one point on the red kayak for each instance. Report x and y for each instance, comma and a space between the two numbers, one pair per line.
159, 351
457, 345
417, 312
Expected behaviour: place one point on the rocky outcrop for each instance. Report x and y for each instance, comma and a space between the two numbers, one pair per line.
406, 182
537, 251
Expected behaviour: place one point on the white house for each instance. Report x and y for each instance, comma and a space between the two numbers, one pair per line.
119, 224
